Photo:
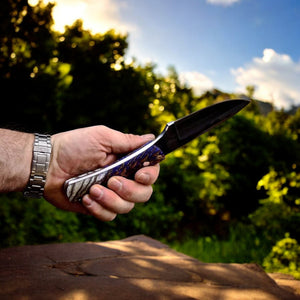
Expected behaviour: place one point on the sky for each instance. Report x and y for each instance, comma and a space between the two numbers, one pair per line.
223, 44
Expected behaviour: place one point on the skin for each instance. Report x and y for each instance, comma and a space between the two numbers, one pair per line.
73, 153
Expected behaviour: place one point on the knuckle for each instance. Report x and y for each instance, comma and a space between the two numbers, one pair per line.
126, 192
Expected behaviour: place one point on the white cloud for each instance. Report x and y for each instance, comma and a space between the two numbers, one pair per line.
222, 2
97, 15
276, 78
200, 83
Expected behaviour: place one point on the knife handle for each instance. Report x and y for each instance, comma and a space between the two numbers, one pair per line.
149, 154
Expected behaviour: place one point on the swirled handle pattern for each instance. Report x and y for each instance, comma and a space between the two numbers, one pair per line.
77, 187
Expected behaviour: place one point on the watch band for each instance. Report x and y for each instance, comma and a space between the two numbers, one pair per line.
39, 167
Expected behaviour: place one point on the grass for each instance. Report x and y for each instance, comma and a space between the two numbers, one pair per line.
242, 245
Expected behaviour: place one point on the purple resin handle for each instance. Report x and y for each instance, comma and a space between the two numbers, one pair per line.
127, 166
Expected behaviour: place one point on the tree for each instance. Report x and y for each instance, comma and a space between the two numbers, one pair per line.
103, 89
27, 46
62, 81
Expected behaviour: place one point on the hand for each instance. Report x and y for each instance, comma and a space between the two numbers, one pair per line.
78, 151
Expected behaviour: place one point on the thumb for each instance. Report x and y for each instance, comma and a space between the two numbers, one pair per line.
130, 142
119, 142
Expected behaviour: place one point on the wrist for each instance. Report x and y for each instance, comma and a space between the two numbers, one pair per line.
41, 154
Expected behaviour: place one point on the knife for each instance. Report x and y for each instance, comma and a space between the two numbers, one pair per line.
175, 134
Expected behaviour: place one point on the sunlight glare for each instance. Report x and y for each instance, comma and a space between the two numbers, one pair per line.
33, 2
68, 13
98, 16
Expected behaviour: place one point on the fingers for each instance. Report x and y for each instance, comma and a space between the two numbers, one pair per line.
147, 175
130, 190
105, 204
121, 194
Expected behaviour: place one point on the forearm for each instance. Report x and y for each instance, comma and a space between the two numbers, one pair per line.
15, 159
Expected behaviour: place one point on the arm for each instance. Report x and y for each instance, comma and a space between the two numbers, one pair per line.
75, 152
15, 160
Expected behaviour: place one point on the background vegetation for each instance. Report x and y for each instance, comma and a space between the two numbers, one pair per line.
232, 195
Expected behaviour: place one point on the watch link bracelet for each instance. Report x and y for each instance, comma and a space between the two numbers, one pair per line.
39, 166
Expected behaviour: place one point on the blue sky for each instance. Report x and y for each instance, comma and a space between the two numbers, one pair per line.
226, 44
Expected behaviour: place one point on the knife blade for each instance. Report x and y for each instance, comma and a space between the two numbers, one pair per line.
175, 134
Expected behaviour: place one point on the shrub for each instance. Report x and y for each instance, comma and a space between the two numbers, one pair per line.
284, 257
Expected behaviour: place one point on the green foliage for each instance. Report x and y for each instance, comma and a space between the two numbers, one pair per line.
245, 156
280, 212
284, 257
247, 166
243, 245
47, 75
293, 124
24, 221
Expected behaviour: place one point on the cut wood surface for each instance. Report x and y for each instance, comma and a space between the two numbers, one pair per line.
134, 268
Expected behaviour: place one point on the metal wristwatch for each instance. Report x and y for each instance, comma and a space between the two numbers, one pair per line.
39, 167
